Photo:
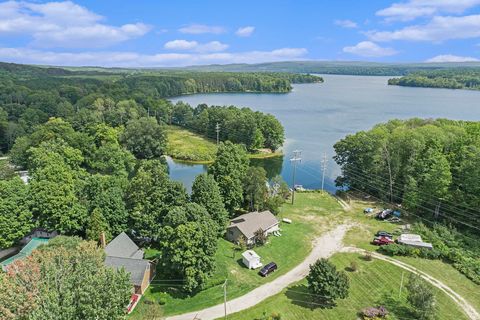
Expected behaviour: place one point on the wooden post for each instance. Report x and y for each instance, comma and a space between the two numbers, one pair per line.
103, 241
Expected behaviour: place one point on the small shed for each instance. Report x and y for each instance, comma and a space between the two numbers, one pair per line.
251, 259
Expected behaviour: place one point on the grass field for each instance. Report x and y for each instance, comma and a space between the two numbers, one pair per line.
312, 214
375, 283
185, 145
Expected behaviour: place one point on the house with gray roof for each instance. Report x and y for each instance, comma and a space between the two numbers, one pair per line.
122, 252
248, 224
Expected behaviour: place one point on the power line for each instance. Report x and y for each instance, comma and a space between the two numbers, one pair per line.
448, 203
359, 178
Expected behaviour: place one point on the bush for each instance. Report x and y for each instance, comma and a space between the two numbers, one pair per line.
353, 266
368, 256
375, 313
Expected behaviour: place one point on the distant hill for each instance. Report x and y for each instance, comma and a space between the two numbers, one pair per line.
336, 67
322, 67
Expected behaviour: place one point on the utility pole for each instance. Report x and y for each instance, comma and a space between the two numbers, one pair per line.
225, 297
324, 168
437, 210
401, 285
217, 130
296, 158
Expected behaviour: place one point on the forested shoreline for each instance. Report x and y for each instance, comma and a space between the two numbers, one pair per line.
30, 95
449, 79
428, 166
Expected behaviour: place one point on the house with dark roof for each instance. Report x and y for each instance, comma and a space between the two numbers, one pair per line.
122, 252
248, 224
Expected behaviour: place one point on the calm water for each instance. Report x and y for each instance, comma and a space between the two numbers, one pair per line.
315, 116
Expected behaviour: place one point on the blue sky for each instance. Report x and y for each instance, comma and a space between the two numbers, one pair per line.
179, 33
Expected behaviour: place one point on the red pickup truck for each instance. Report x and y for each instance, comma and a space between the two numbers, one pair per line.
381, 241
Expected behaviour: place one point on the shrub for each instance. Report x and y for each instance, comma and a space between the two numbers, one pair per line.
368, 256
353, 266
375, 313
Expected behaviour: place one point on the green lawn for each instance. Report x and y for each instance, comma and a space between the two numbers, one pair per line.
375, 283
312, 214
450, 276
185, 145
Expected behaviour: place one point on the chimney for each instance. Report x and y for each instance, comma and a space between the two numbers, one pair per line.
103, 241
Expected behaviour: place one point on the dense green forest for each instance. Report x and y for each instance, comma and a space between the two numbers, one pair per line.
428, 166
253, 129
339, 67
451, 79
30, 95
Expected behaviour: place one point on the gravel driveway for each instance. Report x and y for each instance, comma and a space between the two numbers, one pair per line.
323, 247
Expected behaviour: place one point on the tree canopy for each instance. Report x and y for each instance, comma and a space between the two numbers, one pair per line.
65, 279
422, 164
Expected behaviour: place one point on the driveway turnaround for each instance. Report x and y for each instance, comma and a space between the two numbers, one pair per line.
323, 247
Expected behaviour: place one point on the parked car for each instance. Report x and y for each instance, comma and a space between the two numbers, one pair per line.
381, 241
267, 269
384, 234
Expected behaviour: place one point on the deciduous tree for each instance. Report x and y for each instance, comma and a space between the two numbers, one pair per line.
326, 283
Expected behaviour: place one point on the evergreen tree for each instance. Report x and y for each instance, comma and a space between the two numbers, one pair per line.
229, 170
421, 297
97, 225
205, 192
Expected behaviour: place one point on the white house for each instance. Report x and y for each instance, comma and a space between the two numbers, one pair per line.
251, 259
248, 224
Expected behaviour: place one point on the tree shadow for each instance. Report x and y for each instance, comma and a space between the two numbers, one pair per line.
396, 306
300, 295
174, 291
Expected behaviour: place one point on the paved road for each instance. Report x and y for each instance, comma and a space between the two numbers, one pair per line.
323, 247
469, 310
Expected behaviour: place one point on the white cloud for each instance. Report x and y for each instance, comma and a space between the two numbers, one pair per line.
180, 45
346, 24
212, 46
201, 28
410, 10
437, 30
134, 59
245, 31
369, 49
451, 58
63, 24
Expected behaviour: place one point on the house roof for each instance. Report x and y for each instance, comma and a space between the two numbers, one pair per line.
250, 255
26, 251
123, 247
249, 223
136, 267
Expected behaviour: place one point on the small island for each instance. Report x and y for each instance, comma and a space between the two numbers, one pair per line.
449, 79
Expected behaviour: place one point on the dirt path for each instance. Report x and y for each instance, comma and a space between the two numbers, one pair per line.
469, 310
323, 247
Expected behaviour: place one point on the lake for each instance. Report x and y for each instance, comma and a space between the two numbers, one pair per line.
315, 116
